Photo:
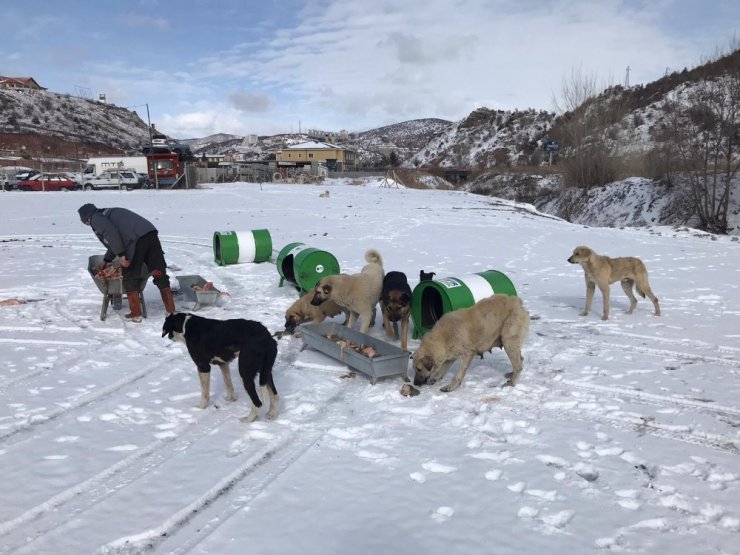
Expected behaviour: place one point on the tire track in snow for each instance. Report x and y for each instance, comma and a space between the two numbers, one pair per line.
732, 359
84, 400
653, 398
280, 455
49, 522
91, 491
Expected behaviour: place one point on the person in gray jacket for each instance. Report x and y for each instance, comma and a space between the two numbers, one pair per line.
135, 241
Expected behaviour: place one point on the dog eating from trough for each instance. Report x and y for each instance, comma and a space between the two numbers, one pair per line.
219, 342
358, 293
602, 271
303, 311
496, 321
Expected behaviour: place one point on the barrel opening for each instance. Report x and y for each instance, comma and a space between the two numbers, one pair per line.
217, 247
432, 308
286, 268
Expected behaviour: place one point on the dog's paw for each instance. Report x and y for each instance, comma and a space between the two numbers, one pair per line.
449, 387
202, 406
605, 318
251, 417
584, 313
272, 414
231, 398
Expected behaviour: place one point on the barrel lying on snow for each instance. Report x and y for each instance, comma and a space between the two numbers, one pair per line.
433, 298
235, 247
304, 266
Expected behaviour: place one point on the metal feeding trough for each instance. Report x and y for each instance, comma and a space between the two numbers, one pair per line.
391, 360
112, 288
191, 287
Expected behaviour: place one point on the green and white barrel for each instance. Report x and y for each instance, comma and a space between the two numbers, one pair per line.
235, 247
431, 299
304, 266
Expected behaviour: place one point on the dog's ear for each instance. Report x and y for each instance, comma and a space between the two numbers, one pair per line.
427, 362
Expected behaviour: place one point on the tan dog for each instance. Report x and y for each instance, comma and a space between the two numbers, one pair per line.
303, 311
358, 293
602, 271
496, 321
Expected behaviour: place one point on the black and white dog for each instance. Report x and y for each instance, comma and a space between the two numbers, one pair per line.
221, 341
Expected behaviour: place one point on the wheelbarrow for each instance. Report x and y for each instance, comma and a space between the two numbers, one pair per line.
112, 288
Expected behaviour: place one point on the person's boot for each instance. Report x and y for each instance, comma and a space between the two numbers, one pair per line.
135, 305
168, 300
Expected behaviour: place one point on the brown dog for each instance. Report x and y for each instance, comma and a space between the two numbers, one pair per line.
496, 321
358, 293
303, 311
602, 271
395, 304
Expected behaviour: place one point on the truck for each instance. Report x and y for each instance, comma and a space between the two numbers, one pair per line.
96, 166
165, 168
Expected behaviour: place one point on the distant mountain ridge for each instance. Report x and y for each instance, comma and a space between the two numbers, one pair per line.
486, 139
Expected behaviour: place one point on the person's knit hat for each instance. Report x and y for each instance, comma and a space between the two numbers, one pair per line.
86, 211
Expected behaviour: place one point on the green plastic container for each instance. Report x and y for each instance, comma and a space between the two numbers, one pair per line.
235, 247
304, 266
431, 299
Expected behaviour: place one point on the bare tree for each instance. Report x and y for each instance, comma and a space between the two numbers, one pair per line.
705, 128
585, 123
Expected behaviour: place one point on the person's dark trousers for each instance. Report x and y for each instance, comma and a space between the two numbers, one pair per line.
148, 251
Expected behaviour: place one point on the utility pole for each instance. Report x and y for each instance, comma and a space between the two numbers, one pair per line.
151, 146
627, 78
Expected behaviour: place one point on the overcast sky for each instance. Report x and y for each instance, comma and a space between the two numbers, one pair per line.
268, 66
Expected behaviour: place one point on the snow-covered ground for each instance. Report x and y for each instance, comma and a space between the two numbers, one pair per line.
621, 435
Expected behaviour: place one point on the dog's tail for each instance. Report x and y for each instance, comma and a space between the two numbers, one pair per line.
373, 256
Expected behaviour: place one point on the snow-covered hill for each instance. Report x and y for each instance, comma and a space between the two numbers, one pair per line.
488, 138
71, 119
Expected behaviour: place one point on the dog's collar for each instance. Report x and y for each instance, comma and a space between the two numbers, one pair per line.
185, 323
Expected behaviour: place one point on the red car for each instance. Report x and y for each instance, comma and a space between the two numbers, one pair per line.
47, 182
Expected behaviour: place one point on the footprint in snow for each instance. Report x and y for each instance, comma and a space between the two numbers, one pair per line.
558, 520
127, 447
433, 466
442, 514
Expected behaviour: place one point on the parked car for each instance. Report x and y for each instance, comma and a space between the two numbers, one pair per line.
113, 179
47, 182
25, 174
74, 176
